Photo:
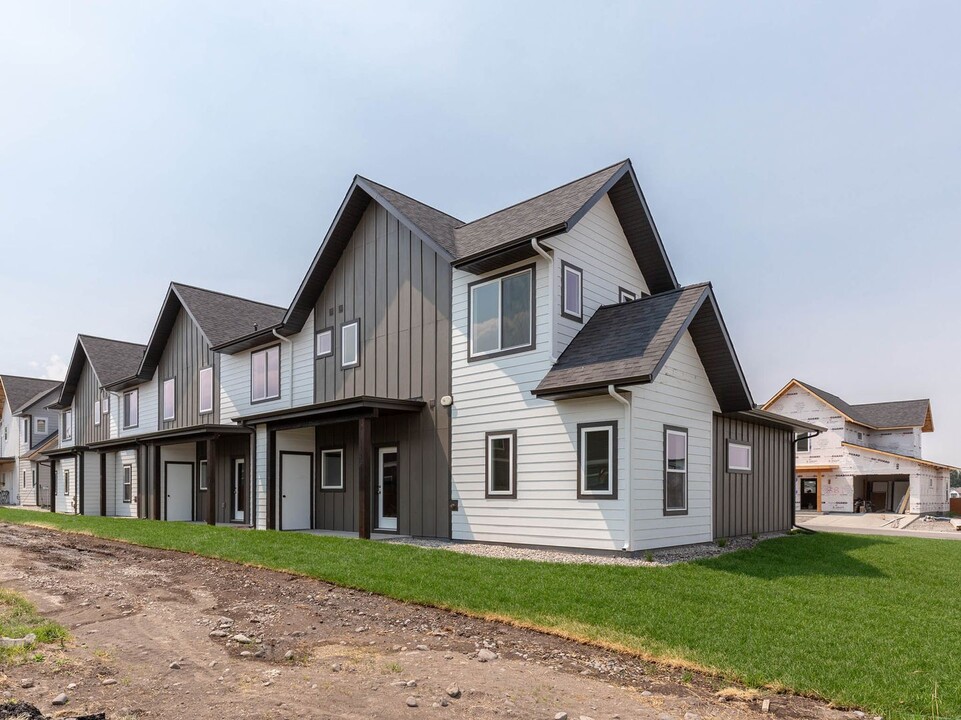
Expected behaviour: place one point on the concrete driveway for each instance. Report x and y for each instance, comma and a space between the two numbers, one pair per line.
878, 524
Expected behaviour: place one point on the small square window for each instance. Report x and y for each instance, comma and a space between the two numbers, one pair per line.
332, 469
501, 464
324, 343
40, 425
597, 460
738, 457
350, 344
572, 292
803, 442
624, 295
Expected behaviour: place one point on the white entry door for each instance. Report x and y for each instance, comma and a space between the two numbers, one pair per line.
295, 477
180, 491
239, 489
387, 488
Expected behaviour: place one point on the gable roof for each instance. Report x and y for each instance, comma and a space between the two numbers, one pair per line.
629, 343
429, 224
40, 448
877, 416
221, 318
21, 391
110, 360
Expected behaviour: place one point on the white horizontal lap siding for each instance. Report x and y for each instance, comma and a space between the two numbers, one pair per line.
680, 396
495, 395
235, 377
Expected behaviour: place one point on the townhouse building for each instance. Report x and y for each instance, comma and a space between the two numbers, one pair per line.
27, 428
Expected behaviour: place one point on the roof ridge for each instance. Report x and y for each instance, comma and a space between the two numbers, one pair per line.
656, 295
174, 283
890, 402
113, 340
546, 192
27, 377
413, 199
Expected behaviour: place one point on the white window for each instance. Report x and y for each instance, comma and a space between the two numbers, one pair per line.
325, 343
332, 469
624, 295
502, 314
207, 390
169, 399
105, 405
597, 460
68, 425
40, 426
350, 344
675, 471
33, 477
128, 483
572, 292
738, 457
96, 412
131, 408
501, 464
203, 474
265, 374
803, 442
66, 482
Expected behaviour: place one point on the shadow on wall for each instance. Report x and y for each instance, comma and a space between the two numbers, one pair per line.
803, 556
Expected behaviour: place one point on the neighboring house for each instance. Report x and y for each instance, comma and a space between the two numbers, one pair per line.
868, 453
25, 425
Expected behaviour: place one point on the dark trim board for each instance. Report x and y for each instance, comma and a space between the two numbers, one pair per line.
614, 464
193, 485
512, 495
687, 470
580, 271
310, 485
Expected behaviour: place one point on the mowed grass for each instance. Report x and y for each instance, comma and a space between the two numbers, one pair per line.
872, 622
19, 618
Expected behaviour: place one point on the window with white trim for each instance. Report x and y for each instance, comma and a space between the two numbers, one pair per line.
350, 344
131, 408
40, 426
675, 471
624, 295
572, 292
265, 374
96, 412
332, 469
67, 423
597, 460
206, 390
170, 399
202, 472
105, 405
128, 483
324, 343
738, 457
501, 463
502, 314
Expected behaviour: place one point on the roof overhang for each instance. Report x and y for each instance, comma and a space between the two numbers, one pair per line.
759, 416
77, 358
331, 412
898, 456
248, 342
170, 437
63, 452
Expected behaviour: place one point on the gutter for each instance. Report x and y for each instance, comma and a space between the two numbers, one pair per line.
290, 346
538, 248
628, 527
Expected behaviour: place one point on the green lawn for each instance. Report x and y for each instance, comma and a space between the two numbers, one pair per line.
19, 618
864, 621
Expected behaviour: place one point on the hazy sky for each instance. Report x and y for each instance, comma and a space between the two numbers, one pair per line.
804, 157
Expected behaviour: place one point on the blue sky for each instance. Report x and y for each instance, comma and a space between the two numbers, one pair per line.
802, 156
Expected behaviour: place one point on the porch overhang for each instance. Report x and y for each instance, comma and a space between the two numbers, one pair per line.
65, 452
759, 416
171, 437
331, 412
6, 459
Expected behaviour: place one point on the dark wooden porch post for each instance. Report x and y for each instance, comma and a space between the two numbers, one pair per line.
363, 477
271, 479
103, 484
53, 485
156, 486
212, 480
141, 507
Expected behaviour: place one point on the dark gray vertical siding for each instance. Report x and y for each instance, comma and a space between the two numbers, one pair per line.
184, 356
88, 392
228, 448
759, 501
400, 289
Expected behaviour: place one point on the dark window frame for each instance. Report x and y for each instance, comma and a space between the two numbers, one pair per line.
727, 457
127, 487
471, 355
200, 384
806, 439
622, 291
687, 470
512, 434
343, 468
280, 365
612, 495
565, 266
317, 335
357, 345
124, 407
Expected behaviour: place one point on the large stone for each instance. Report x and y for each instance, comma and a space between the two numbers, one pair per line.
61, 699
560, 716
411, 701
453, 691
242, 639
486, 655
28, 639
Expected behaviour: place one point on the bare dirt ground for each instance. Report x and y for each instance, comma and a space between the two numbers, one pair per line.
152, 637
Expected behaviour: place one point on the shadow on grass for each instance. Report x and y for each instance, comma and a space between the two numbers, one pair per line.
820, 555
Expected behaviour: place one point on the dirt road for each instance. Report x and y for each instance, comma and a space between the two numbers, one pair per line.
155, 636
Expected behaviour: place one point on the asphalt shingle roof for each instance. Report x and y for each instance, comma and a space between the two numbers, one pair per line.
226, 317
884, 415
112, 360
435, 224
21, 391
625, 342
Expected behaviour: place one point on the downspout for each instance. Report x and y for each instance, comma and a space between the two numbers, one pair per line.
538, 248
629, 530
794, 443
291, 348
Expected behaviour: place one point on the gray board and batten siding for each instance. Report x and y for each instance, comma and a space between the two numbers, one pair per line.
186, 352
399, 287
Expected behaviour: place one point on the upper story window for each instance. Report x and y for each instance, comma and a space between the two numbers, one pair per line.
624, 295
207, 390
105, 405
25, 430
501, 314
350, 344
67, 424
265, 374
597, 460
572, 292
170, 399
738, 457
131, 408
96, 412
803, 443
40, 426
675, 471
324, 343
